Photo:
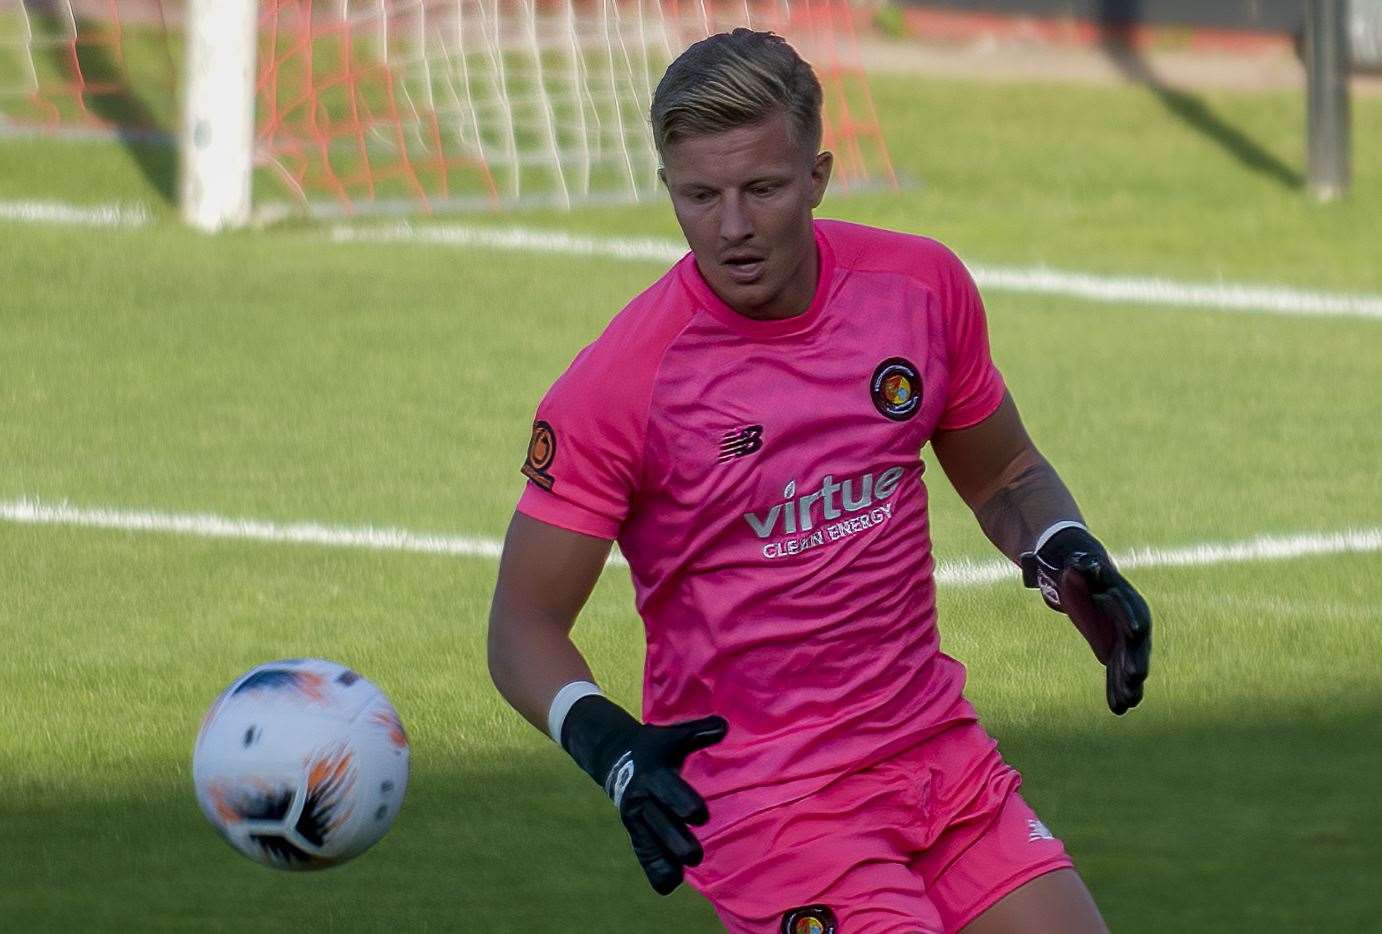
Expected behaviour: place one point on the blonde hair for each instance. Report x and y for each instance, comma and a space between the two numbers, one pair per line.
736, 79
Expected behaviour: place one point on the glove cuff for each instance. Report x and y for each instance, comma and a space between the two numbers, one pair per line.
1055, 527
1058, 547
1027, 560
1042, 567
562, 703
598, 733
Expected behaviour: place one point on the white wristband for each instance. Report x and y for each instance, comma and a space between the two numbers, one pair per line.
1045, 537
562, 703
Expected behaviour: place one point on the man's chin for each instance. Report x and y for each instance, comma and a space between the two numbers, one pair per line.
752, 300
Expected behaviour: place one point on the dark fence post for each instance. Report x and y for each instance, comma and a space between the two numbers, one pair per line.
1326, 91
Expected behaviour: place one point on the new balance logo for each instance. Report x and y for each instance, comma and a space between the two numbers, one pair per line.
741, 442
1036, 830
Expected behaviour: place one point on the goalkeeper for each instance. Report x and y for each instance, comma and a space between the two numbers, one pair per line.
749, 430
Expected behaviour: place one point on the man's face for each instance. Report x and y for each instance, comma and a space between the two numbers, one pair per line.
743, 199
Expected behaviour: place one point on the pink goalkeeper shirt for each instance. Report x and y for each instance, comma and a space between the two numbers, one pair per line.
764, 481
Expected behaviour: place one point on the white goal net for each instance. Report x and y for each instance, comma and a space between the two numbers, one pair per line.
423, 105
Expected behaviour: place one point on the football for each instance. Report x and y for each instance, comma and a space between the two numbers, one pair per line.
301, 764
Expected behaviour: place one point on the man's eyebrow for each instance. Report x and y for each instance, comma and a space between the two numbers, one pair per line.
772, 178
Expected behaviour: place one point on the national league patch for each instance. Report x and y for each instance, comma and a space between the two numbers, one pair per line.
542, 450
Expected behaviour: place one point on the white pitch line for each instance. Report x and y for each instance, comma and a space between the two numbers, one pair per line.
1261, 548
205, 525
55, 212
962, 572
651, 249
1220, 296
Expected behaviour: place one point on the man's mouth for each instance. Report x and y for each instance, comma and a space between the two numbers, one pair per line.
744, 269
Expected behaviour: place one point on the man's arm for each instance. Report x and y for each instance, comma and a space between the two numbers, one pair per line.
1014, 492
546, 574
1027, 512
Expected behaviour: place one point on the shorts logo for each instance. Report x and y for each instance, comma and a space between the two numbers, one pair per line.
813, 919
896, 389
1036, 830
741, 442
542, 450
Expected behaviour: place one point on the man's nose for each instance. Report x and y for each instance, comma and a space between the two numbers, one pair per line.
735, 225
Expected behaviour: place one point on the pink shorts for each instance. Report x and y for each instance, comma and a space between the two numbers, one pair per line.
920, 844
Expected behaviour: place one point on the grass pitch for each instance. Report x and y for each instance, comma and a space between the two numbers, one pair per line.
277, 375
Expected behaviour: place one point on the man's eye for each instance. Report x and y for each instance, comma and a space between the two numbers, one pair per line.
763, 191
701, 197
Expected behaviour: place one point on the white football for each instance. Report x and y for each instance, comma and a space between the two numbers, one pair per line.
301, 764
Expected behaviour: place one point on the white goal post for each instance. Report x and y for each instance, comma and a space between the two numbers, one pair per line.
217, 137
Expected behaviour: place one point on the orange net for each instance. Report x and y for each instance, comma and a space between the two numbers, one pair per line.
426, 105
82, 66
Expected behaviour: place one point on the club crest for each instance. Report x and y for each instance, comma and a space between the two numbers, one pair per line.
896, 389
811, 919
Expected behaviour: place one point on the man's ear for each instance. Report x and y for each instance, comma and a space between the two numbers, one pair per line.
662, 176
820, 176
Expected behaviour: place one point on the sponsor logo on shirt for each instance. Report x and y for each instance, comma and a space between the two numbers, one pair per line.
542, 450
1036, 830
846, 508
896, 389
741, 442
812, 919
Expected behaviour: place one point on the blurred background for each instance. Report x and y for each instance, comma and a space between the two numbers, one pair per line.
281, 284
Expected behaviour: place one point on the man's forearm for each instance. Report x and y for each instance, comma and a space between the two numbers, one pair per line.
530, 662
1031, 500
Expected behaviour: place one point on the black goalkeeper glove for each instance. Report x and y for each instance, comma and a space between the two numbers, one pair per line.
1076, 577
637, 765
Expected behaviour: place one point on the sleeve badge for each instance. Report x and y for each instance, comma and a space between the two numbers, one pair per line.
542, 450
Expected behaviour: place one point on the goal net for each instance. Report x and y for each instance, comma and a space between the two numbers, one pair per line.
406, 106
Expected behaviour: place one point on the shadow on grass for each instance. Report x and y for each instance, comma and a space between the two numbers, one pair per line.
111, 96
1253, 824
1117, 25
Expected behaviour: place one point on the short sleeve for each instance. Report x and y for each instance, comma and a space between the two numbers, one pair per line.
586, 449
976, 387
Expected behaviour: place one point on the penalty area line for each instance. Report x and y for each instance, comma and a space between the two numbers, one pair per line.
1243, 297
1260, 548
963, 572
206, 525
1034, 280
56, 212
